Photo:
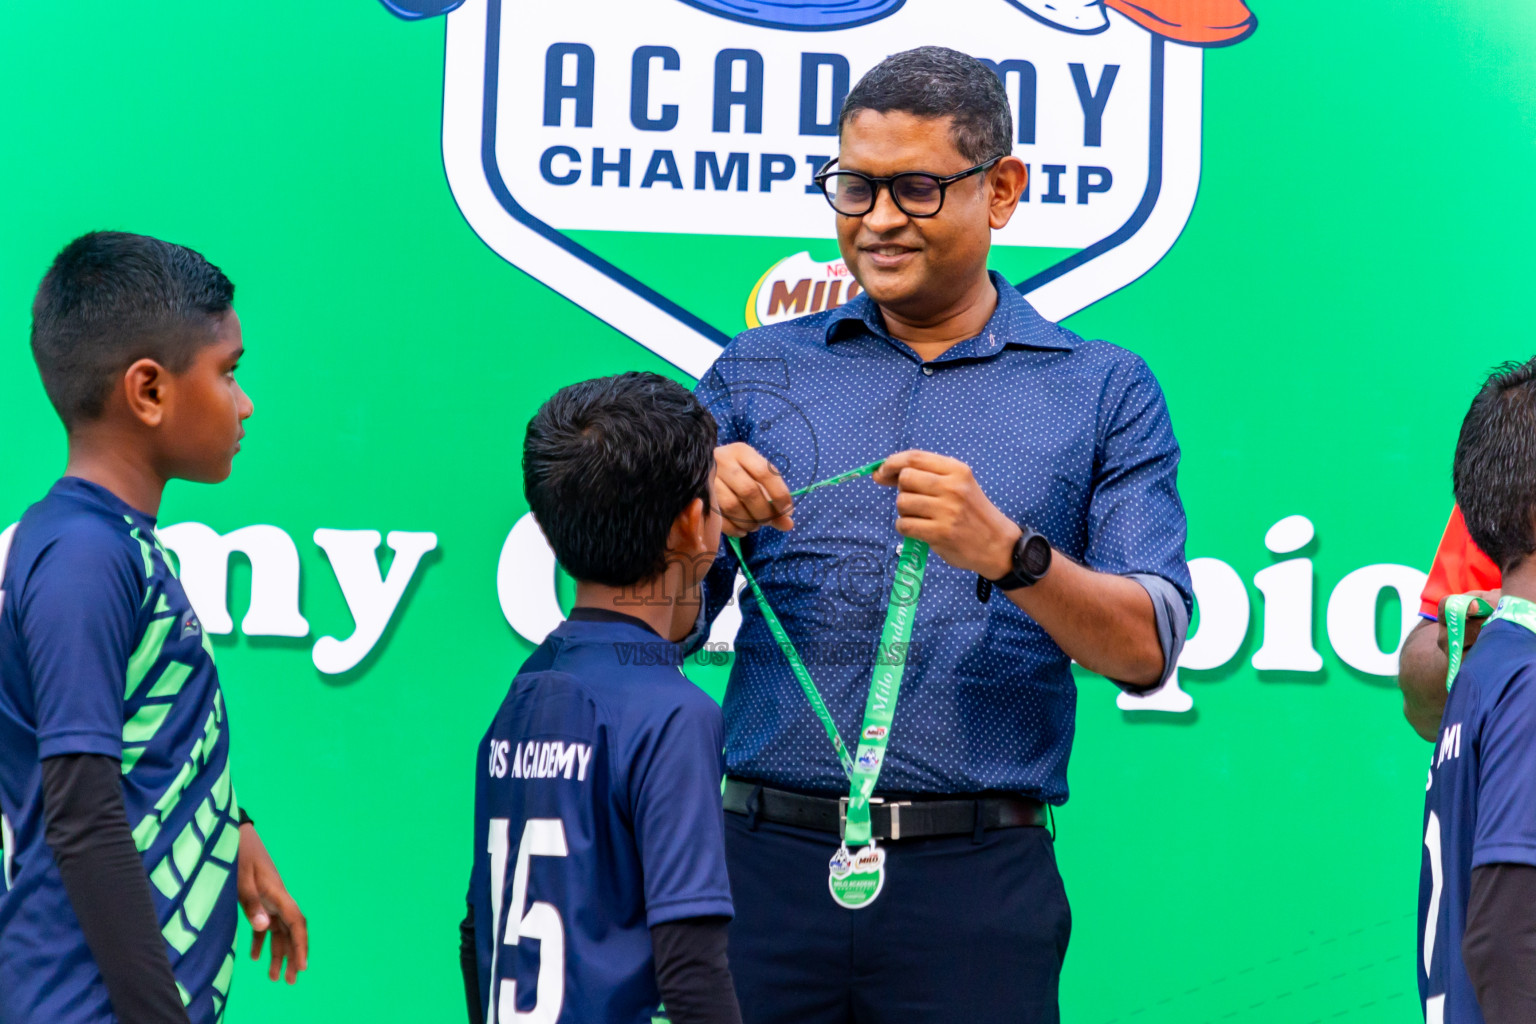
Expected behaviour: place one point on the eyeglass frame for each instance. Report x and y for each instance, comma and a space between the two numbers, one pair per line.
821, 176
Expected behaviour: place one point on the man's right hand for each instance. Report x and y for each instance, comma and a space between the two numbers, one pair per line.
1475, 623
1422, 665
749, 491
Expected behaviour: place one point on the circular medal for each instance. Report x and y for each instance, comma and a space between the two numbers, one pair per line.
856, 877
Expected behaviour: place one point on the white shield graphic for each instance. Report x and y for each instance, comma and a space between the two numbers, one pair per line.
659, 116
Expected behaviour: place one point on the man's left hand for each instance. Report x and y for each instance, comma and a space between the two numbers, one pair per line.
270, 909
939, 501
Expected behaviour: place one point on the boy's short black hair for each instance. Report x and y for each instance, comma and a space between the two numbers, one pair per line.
608, 464
935, 81
111, 299
1495, 470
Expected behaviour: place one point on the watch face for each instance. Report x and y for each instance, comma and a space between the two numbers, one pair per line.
1036, 555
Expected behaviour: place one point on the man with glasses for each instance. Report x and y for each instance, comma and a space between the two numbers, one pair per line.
1040, 470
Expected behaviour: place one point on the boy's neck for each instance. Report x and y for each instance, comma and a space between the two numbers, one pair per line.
109, 463
1521, 580
653, 602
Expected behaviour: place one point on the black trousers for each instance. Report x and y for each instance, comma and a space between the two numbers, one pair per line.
963, 931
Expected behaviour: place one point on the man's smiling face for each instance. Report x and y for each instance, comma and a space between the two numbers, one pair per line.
915, 266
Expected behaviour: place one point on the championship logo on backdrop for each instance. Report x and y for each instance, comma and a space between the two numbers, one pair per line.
651, 159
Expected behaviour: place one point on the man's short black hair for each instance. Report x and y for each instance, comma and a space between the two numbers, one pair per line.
1495, 470
111, 299
934, 81
608, 464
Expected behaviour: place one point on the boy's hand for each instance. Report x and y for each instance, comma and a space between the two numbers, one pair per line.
269, 908
750, 492
1475, 623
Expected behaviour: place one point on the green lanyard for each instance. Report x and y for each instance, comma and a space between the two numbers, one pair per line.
1457, 609
1517, 610
863, 770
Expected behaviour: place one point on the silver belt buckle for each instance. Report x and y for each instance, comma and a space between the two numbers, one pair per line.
842, 815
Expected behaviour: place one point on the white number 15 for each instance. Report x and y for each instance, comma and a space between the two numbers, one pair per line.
542, 837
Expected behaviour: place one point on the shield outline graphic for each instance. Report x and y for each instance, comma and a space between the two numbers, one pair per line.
682, 338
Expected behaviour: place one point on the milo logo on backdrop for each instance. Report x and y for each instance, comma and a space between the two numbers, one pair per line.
651, 159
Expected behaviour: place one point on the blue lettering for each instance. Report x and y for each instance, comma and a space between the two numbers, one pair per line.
810, 91
1053, 193
816, 163
662, 168
1093, 101
599, 166
547, 165
640, 89
556, 92
735, 166
775, 167
1029, 179
1025, 105
1091, 180
749, 98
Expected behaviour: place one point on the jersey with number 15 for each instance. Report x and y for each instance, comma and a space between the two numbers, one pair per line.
597, 817
1480, 807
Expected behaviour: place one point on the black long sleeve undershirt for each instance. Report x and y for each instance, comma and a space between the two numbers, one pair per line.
1499, 944
469, 965
86, 826
692, 972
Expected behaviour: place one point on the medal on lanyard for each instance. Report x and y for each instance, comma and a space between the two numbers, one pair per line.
855, 877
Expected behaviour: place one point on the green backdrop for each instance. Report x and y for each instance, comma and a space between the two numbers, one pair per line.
1355, 262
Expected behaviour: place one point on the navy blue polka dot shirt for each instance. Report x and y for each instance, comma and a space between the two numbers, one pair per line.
1071, 437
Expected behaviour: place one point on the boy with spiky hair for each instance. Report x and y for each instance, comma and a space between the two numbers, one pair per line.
1477, 890
599, 885
125, 852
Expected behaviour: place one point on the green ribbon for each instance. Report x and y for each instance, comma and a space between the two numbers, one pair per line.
1517, 610
1457, 610
863, 770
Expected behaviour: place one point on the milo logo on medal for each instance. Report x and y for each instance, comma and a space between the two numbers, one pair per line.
651, 160
856, 877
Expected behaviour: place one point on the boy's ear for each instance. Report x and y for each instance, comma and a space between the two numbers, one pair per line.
145, 386
687, 533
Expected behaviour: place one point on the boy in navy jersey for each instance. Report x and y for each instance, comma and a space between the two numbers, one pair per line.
125, 851
599, 885
1477, 889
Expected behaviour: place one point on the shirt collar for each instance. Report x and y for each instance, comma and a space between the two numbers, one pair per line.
607, 615
94, 494
1014, 323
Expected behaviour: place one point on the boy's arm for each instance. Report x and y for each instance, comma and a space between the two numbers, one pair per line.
76, 615
469, 964
679, 825
1500, 908
86, 826
692, 971
1499, 945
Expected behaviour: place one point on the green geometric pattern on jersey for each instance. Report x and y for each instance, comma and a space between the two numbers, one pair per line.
201, 860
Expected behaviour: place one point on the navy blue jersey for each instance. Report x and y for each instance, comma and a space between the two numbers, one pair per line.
100, 653
597, 816
1480, 807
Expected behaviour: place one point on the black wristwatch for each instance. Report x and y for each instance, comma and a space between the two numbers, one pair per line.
1031, 561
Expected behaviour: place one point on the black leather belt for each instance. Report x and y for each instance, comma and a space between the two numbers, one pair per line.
898, 819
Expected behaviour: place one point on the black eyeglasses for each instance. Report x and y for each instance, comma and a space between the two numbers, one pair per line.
916, 193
